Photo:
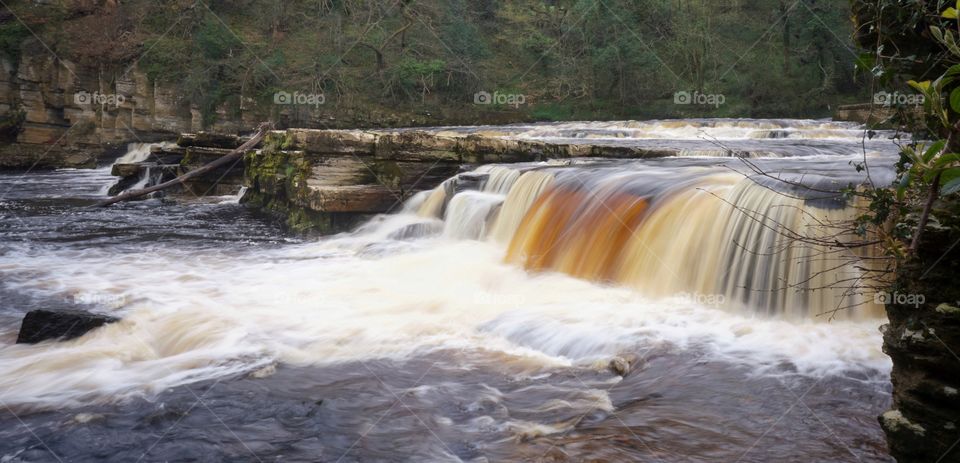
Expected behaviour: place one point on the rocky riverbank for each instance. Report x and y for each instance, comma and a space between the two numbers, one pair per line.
923, 339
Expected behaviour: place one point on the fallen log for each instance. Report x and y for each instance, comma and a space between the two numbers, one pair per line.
232, 156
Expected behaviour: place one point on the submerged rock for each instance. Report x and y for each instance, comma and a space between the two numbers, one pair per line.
41, 325
624, 364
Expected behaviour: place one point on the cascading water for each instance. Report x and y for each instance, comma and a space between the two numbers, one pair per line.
469, 213
500, 179
518, 201
492, 306
667, 230
139, 152
722, 235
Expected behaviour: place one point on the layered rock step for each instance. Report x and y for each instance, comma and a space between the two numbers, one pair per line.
325, 181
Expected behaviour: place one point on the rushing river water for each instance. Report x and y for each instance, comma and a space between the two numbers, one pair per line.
479, 324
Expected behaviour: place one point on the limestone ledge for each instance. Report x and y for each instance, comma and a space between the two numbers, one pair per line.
323, 181
317, 179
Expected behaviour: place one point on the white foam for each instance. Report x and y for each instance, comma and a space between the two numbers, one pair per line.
199, 315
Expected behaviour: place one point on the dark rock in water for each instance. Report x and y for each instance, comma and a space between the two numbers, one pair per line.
623, 365
40, 325
125, 170
469, 181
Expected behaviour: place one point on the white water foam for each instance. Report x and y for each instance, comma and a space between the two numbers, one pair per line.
140, 152
194, 316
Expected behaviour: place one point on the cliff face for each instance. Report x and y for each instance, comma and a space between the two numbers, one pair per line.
55, 113
923, 339
59, 114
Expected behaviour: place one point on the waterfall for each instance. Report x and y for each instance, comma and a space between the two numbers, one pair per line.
521, 196
468, 214
690, 226
500, 179
139, 152
416, 201
435, 203
150, 176
723, 236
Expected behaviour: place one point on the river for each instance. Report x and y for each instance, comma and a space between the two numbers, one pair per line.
477, 324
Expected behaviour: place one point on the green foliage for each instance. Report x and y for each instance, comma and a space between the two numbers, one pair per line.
410, 71
610, 59
166, 58
551, 112
929, 167
10, 124
463, 36
214, 40
12, 34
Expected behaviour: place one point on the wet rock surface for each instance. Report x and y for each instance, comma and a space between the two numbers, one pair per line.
923, 339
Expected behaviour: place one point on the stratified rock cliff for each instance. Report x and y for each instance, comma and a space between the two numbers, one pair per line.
60, 114
923, 339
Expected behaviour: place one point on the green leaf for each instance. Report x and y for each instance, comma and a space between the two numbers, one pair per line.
902, 187
950, 187
934, 149
948, 158
866, 61
922, 87
955, 100
949, 180
936, 33
949, 13
911, 153
949, 174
